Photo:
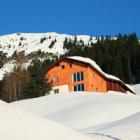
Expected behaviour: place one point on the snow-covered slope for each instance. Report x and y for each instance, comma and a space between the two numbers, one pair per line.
31, 42
137, 89
16, 124
83, 111
123, 129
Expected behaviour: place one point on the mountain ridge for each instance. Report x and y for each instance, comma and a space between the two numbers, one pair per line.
32, 42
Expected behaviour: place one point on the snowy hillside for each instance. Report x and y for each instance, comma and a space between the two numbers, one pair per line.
104, 115
50, 43
16, 124
32, 42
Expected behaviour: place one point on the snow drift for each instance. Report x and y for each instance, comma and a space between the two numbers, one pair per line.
123, 129
90, 113
16, 124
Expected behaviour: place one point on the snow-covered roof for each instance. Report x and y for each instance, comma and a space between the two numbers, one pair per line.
94, 65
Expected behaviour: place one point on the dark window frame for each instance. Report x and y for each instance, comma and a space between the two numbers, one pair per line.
56, 91
79, 87
78, 76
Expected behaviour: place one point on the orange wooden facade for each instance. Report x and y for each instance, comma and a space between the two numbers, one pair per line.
93, 80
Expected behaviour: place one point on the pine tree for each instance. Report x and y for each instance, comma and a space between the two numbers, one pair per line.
38, 85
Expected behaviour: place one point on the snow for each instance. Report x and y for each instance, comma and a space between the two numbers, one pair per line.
30, 42
8, 67
120, 129
102, 116
93, 63
16, 124
137, 89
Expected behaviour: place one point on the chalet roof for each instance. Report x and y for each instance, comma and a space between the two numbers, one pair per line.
95, 66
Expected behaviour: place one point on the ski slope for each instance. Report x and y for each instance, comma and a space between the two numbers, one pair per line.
99, 115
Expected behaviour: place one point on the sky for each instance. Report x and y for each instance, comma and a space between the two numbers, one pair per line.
87, 17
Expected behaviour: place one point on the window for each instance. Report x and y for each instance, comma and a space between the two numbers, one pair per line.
56, 91
79, 87
55, 79
74, 77
82, 76
75, 88
70, 65
82, 87
79, 76
63, 67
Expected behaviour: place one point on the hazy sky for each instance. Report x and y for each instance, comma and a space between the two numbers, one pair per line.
93, 17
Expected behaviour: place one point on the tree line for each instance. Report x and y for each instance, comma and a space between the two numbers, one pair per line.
25, 82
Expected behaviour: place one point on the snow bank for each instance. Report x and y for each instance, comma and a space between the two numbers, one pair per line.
124, 129
16, 124
83, 110
111, 116
103, 116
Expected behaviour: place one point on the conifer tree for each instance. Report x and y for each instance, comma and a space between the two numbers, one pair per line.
38, 85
